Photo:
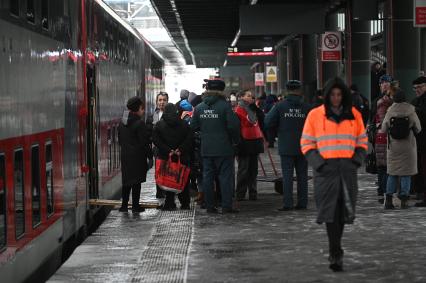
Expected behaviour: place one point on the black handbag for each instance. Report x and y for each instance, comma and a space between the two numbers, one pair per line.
371, 163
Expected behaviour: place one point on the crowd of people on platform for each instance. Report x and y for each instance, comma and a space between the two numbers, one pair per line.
209, 132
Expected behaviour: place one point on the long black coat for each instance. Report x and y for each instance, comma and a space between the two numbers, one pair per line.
171, 133
135, 141
332, 178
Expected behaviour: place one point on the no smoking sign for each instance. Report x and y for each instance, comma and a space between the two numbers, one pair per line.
331, 49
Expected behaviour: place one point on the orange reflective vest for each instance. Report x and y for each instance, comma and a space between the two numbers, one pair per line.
331, 139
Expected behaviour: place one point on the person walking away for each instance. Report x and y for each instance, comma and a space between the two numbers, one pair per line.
184, 95
377, 114
197, 161
249, 148
360, 102
220, 132
136, 154
270, 102
288, 117
161, 101
419, 86
400, 123
172, 136
376, 72
335, 144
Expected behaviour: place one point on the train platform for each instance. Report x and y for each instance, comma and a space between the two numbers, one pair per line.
259, 244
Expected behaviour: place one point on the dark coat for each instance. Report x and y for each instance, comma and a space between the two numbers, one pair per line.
335, 176
420, 105
218, 124
288, 116
331, 178
135, 142
171, 133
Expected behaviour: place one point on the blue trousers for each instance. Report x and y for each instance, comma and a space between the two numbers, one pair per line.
392, 185
288, 164
223, 168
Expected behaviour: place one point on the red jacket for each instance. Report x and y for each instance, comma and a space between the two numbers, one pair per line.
249, 131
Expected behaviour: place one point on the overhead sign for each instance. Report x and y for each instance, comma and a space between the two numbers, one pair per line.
271, 74
262, 53
258, 79
331, 46
420, 13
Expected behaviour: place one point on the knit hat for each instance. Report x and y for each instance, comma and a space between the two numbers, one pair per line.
185, 105
293, 85
184, 94
385, 78
215, 85
191, 96
134, 103
419, 81
197, 100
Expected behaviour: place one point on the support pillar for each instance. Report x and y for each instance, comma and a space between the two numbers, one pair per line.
405, 45
360, 52
331, 69
295, 55
308, 67
282, 68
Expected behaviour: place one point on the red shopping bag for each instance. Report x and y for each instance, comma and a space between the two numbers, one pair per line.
171, 176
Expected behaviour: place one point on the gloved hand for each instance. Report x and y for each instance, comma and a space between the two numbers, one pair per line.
150, 163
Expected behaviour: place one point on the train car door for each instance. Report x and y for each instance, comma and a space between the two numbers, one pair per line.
92, 127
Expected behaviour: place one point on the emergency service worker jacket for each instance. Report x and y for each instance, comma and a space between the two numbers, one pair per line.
288, 117
335, 150
218, 124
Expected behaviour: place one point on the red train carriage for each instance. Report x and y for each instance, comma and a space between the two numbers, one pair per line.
66, 69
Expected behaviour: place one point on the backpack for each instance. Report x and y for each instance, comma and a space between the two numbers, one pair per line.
399, 127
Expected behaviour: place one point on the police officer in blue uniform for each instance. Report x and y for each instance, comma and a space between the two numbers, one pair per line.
288, 117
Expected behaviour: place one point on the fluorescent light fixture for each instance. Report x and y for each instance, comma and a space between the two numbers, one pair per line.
267, 49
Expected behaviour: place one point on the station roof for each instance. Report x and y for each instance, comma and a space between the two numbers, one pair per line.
204, 29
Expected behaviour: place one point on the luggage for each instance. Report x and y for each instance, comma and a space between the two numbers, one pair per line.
171, 176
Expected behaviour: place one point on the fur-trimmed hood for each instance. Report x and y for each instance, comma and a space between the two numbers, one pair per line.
346, 99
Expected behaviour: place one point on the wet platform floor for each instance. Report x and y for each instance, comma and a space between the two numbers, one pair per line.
259, 244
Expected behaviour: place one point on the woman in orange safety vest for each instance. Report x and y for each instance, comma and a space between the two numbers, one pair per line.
335, 144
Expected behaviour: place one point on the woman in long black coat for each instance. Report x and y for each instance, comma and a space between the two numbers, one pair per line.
173, 135
334, 143
136, 155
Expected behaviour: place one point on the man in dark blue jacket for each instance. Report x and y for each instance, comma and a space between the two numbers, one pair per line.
220, 132
288, 117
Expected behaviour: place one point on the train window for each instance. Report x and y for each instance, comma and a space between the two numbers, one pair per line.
35, 185
49, 179
2, 201
30, 11
14, 7
18, 181
45, 14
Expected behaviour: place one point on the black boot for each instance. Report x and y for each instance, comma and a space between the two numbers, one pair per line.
336, 261
136, 193
125, 193
388, 202
404, 202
